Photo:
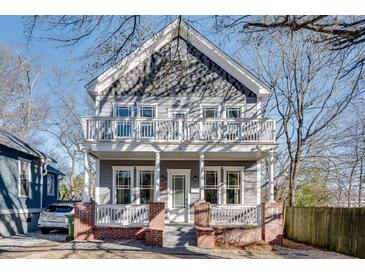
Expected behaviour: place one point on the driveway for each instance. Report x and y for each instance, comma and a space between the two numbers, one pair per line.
55, 246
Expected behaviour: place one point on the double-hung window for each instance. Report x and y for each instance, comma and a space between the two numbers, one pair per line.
210, 112
233, 185
233, 113
24, 179
124, 127
147, 127
50, 184
146, 185
123, 184
211, 185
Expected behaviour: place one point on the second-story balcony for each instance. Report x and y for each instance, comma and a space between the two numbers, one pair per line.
178, 130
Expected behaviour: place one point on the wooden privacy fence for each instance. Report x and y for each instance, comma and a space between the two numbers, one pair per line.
336, 229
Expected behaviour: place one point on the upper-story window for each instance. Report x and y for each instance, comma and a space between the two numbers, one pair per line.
210, 112
123, 111
147, 111
232, 112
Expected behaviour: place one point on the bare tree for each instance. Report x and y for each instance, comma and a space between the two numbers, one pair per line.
19, 111
64, 123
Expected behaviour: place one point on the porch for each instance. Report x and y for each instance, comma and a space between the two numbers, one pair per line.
229, 181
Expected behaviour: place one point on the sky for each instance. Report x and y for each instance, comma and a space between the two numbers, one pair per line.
50, 56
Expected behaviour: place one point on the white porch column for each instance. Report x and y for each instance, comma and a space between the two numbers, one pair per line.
86, 186
271, 177
201, 177
157, 177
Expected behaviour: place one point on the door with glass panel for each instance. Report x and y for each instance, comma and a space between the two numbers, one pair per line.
179, 200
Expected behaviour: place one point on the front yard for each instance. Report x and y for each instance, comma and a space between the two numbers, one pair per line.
54, 246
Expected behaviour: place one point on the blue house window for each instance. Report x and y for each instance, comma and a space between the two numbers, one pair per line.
24, 179
50, 184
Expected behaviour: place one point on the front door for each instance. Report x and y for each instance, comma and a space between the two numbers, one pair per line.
179, 198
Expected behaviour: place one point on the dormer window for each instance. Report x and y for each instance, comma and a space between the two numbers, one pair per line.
147, 111
210, 112
123, 111
233, 113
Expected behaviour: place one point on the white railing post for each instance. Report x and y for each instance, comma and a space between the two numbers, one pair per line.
201, 176
86, 186
157, 177
271, 177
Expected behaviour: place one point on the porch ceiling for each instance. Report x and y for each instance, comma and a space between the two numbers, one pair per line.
227, 156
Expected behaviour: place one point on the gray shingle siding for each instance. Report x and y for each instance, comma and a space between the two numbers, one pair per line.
193, 79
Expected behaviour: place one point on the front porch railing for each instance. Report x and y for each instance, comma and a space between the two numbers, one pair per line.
235, 215
122, 215
178, 129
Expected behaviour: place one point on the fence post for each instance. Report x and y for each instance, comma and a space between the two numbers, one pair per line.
272, 228
154, 232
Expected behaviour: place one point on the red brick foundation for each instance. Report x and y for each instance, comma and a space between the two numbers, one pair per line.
85, 229
207, 236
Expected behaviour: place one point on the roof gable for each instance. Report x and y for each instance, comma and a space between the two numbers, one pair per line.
177, 29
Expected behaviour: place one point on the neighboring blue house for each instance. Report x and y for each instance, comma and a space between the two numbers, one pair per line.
27, 184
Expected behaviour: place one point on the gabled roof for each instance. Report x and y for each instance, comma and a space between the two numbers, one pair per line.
177, 28
11, 141
53, 170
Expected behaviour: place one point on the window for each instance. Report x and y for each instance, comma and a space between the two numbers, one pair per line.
59, 209
50, 184
24, 179
211, 186
179, 115
233, 187
123, 111
210, 112
146, 186
147, 111
123, 182
233, 113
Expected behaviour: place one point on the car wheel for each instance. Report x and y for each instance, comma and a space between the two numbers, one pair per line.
44, 230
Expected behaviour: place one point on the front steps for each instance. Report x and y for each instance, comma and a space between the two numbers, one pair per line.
179, 235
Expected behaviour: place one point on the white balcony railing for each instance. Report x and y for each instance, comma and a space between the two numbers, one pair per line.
122, 215
235, 215
179, 130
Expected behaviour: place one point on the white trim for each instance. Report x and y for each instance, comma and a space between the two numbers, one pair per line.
219, 181
201, 176
137, 186
20, 211
97, 181
29, 163
234, 168
187, 173
258, 181
163, 37
132, 185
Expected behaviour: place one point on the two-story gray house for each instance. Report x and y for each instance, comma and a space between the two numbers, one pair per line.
178, 121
